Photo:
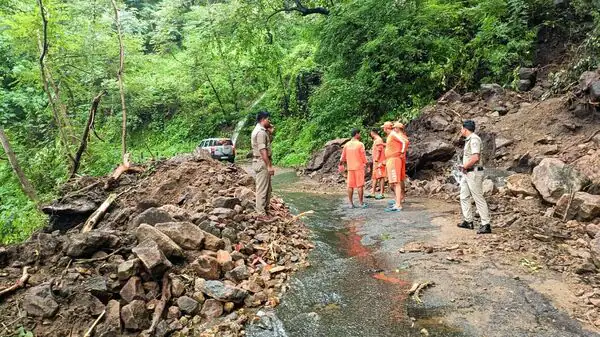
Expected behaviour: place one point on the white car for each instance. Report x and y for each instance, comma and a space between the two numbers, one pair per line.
219, 148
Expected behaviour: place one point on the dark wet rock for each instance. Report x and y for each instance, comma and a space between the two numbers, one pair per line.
528, 74
152, 257
152, 216
133, 290
127, 269
187, 305
212, 309
86, 244
238, 274
525, 85
491, 90
222, 292
583, 206
185, 234
207, 267
553, 178
329, 151
167, 246
112, 320
424, 153
39, 302
211, 227
229, 233
163, 329
96, 285
135, 316
64, 216
225, 202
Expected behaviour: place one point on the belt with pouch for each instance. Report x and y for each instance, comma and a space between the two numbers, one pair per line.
477, 168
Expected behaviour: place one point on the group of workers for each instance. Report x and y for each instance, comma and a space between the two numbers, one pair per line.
389, 164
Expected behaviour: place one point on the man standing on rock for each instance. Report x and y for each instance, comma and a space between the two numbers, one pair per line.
471, 183
355, 157
261, 162
378, 152
399, 129
395, 148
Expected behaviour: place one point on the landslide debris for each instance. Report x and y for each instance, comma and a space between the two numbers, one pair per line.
179, 253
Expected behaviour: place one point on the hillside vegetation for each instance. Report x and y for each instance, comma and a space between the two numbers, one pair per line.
194, 68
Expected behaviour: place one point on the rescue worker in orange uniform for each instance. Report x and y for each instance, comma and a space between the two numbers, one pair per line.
355, 157
395, 149
378, 176
399, 129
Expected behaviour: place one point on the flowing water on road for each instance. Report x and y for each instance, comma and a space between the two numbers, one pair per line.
350, 288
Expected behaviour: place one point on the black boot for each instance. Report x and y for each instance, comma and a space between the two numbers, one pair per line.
465, 224
484, 229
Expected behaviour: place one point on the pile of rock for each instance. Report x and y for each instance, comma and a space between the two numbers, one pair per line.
200, 262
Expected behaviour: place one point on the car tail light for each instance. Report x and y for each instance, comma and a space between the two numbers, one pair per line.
212, 150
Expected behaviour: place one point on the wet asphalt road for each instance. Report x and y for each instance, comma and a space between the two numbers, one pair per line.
357, 282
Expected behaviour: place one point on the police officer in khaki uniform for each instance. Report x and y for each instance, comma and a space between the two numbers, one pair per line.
261, 162
471, 184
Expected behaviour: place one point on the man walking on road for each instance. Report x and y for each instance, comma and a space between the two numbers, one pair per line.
261, 162
378, 165
471, 183
394, 152
355, 158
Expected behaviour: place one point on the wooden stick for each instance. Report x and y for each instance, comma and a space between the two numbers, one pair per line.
417, 293
160, 307
86, 132
19, 284
89, 332
97, 215
568, 206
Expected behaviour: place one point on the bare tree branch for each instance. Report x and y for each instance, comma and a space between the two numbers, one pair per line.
86, 132
301, 8
120, 79
24, 182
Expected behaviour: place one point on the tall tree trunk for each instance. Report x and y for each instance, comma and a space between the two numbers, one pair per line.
120, 80
86, 132
25, 184
58, 108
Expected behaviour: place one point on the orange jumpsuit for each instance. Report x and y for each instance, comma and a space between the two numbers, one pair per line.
395, 150
355, 156
378, 158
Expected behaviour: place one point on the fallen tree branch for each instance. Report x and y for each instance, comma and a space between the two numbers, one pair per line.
97, 215
416, 289
86, 132
89, 332
19, 284
160, 306
120, 80
96, 259
564, 218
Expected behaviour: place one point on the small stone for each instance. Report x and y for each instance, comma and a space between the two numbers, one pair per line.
238, 274
199, 296
167, 246
177, 287
152, 257
151, 217
212, 309
225, 261
228, 307
212, 242
38, 301
222, 292
174, 312
112, 321
152, 290
135, 316
207, 267
127, 269
185, 234
133, 290
224, 202
187, 305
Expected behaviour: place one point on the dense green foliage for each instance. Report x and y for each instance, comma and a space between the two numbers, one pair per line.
193, 68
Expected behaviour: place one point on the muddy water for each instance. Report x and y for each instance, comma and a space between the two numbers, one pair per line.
351, 288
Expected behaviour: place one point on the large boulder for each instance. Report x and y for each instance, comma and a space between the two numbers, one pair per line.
86, 244
553, 178
583, 207
152, 257
426, 152
185, 234
520, 183
169, 247
320, 158
222, 292
39, 302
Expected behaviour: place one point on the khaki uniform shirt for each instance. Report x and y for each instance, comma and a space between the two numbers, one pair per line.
472, 146
260, 140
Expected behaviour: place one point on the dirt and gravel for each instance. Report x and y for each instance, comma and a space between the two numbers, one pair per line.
180, 252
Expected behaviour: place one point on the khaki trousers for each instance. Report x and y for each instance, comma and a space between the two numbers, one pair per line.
263, 186
471, 188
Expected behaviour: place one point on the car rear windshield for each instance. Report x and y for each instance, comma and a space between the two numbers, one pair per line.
225, 142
